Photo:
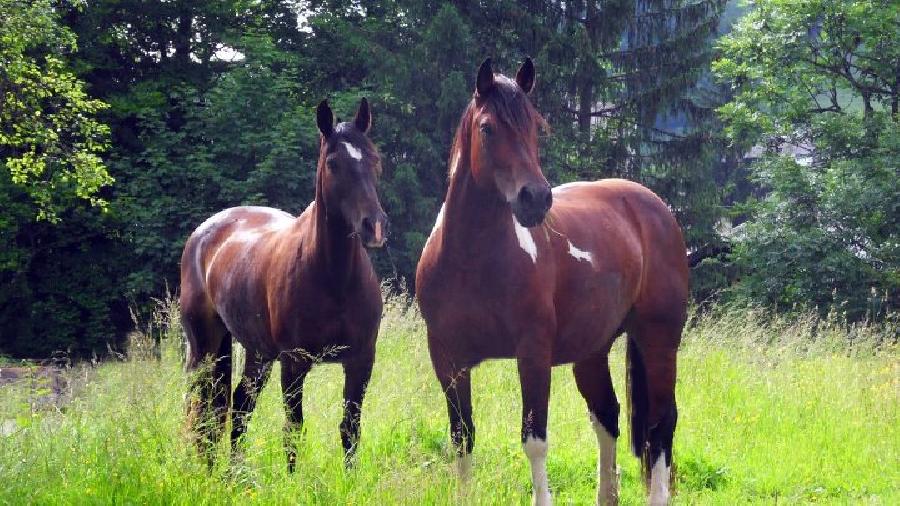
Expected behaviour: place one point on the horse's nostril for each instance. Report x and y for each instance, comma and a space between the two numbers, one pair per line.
367, 225
525, 195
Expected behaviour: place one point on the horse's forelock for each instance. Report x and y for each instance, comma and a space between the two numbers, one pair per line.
511, 106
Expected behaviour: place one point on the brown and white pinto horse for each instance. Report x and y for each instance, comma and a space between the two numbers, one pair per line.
294, 289
515, 270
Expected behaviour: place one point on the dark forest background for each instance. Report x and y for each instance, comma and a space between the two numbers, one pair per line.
771, 130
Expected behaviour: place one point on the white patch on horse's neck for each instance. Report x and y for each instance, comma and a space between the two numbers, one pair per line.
568, 186
607, 472
659, 482
454, 162
578, 254
536, 451
352, 150
526, 242
437, 224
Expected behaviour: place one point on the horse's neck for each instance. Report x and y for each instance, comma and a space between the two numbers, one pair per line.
334, 250
474, 217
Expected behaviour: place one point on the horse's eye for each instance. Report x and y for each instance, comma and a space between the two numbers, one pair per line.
486, 129
332, 164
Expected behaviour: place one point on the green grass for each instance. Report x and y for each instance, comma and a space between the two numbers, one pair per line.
770, 411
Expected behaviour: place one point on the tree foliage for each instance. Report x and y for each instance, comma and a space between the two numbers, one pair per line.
816, 86
50, 139
210, 106
52, 190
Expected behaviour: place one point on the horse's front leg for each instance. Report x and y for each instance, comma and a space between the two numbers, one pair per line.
457, 386
357, 372
534, 374
294, 368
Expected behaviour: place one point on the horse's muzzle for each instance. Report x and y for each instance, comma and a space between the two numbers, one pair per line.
532, 203
374, 230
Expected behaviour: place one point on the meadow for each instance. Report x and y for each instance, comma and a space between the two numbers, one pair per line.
772, 410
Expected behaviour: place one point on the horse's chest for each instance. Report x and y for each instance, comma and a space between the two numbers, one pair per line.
482, 309
327, 327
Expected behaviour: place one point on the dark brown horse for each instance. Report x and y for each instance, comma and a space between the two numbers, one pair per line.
294, 289
515, 270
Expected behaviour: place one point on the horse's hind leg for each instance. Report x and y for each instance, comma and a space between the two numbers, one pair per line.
209, 363
595, 384
651, 357
357, 372
256, 373
294, 368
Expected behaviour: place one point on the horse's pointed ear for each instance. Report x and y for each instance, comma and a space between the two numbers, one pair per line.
525, 75
485, 81
363, 119
325, 119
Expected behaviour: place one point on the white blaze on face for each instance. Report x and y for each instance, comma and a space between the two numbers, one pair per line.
526, 242
578, 254
607, 472
659, 482
352, 150
536, 450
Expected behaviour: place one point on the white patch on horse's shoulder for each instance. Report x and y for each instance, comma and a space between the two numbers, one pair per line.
310, 206
526, 242
536, 451
659, 482
352, 150
578, 254
454, 162
437, 224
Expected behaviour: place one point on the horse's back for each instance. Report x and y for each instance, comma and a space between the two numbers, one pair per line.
224, 262
228, 231
624, 230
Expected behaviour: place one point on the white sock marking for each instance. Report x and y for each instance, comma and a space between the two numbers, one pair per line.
536, 450
464, 467
352, 150
526, 242
659, 482
578, 254
607, 472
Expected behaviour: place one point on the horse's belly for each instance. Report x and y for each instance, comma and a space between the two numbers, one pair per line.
246, 318
590, 311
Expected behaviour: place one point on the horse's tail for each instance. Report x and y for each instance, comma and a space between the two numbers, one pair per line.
638, 405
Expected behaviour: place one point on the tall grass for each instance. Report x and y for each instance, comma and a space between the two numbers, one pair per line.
771, 410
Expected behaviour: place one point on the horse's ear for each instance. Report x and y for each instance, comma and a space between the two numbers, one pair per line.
325, 119
525, 75
485, 81
363, 119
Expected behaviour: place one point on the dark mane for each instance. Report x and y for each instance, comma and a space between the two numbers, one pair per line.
511, 106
